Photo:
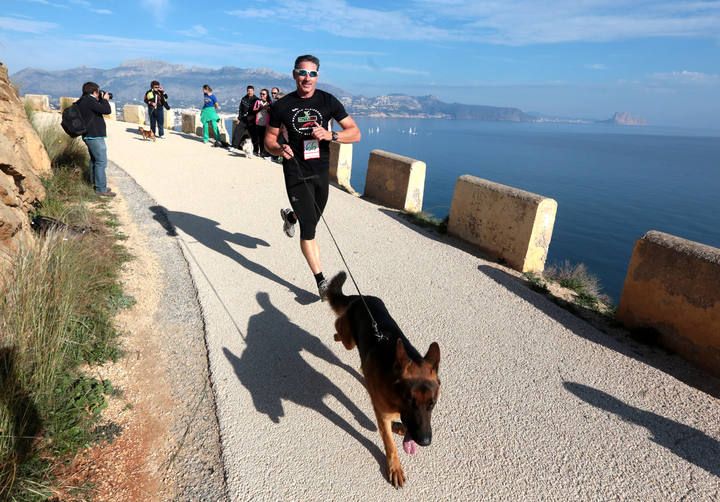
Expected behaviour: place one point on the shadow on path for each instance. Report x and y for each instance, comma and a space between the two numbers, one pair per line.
273, 370
684, 441
616, 339
208, 233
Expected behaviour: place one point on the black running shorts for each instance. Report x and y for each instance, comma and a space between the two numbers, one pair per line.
304, 194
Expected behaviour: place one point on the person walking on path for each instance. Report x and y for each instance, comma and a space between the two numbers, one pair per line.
93, 105
247, 103
156, 101
209, 115
262, 118
305, 114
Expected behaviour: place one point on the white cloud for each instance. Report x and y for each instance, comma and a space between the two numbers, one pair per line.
523, 22
596, 66
105, 12
510, 22
375, 68
49, 4
25, 25
686, 77
342, 19
158, 9
197, 30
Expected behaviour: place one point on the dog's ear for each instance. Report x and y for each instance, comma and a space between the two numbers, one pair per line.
401, 357
433, 356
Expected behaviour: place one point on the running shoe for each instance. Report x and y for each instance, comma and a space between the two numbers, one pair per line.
323, 289
288, 228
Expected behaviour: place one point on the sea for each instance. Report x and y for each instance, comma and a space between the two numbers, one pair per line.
612, 183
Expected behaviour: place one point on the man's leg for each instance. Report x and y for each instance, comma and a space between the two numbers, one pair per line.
160, 112
311, 252
91, 164
98, 154
206, 132
151, 115
253, 137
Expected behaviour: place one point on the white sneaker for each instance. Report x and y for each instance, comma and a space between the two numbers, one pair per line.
288, 228
323, 289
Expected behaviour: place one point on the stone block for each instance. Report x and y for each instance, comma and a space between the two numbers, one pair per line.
113, 114
135, 114
38, 102
169, 119
510, 224
341, 165
65, 102
221, 129
395, 181
190, 122
673, 287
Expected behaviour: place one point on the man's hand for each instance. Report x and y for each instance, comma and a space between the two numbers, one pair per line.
321, 133
106, 96
287, 152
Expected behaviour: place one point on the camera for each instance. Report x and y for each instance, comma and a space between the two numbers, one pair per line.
110, 94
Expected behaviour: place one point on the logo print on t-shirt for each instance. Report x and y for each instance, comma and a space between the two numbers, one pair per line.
305, 120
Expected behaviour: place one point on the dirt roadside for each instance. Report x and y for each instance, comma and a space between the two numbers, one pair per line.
162, 432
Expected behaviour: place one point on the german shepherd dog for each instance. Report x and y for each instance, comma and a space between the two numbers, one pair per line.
403, 385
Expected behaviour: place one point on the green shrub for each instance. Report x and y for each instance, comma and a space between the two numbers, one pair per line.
574, 277
57, 301
61, 148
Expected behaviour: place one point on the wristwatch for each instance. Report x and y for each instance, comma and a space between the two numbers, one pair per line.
334, 136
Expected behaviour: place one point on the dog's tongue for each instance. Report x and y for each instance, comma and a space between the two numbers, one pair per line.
409, 446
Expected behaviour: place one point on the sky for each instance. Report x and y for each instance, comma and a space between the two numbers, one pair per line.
657, 59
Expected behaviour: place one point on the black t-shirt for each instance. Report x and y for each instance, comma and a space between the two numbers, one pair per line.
299, 116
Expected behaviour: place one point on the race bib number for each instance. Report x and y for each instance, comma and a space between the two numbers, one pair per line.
311, 149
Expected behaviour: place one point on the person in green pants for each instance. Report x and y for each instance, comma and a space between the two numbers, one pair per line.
209, 115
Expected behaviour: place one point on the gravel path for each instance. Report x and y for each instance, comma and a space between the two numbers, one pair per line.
194, 466
535, 404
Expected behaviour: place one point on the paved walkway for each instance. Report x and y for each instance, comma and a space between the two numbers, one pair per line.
535, 403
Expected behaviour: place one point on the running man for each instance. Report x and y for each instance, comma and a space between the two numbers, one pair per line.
305, 115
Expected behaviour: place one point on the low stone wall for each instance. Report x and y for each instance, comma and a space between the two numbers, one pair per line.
224, 136
113, 114
511, 224
190, 122
37, 102
395, 181
673, 286
341, 165
66, 102
135, 114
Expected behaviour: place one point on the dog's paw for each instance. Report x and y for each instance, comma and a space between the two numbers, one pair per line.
396, 476
399, 428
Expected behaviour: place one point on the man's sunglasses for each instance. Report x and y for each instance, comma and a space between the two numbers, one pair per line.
302, 72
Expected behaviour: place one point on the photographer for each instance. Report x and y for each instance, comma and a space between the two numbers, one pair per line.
93, 105
156, 100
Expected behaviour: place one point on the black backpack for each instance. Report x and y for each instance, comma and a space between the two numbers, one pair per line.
72, 121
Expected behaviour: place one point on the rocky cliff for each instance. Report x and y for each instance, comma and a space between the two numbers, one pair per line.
23, 161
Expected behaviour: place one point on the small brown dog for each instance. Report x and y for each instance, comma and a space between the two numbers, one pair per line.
146, 133
403, 385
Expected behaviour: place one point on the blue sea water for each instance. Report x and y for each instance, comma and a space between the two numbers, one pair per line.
612, 184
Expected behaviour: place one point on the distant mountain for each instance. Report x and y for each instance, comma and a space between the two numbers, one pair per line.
183, 84
624, 118
129, 81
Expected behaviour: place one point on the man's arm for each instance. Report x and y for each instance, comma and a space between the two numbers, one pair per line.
350, 132
101, 106
273, 146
